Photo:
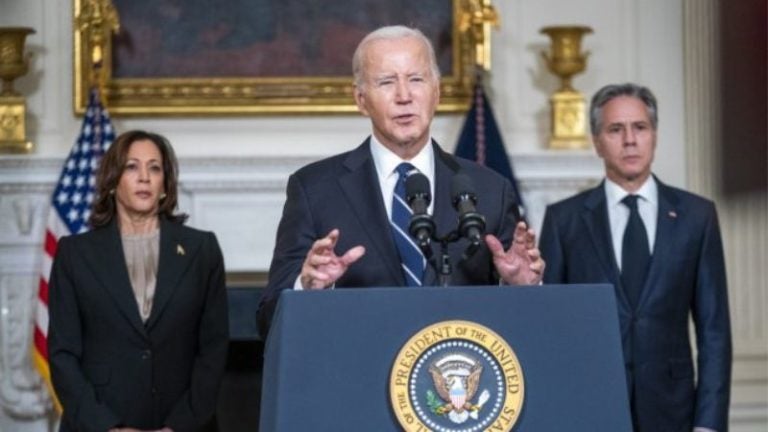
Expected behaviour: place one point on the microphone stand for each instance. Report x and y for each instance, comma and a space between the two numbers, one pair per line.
422, 228
444, 268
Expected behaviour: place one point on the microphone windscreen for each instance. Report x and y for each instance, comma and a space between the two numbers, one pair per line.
417, 184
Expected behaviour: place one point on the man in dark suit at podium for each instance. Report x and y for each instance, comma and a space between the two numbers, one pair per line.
342, 224
661, 249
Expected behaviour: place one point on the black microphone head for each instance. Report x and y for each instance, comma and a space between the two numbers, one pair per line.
462, 186
417, 184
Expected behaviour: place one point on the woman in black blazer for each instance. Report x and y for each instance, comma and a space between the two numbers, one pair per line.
138, 326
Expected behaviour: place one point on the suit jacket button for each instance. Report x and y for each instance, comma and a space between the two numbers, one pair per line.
146, 355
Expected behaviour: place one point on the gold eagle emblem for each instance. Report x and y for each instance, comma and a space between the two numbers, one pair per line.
456, 378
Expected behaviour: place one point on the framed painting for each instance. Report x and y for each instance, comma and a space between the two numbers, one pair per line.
218, 57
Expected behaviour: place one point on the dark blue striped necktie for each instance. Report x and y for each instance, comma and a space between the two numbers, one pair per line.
412, 261
635, 253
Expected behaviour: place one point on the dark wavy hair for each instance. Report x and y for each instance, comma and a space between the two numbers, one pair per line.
111, 170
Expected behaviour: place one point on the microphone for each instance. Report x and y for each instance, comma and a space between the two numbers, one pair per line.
418, 197
471, 223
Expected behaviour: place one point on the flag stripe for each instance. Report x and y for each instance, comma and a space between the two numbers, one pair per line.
50, 243
41, 317
42, 289
70, 205
56, 226
41, 343
45, 268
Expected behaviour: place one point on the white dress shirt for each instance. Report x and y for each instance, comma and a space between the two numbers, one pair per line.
618, 213
386, 162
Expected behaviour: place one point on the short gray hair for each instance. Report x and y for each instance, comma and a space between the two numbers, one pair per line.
612, 91
390, 33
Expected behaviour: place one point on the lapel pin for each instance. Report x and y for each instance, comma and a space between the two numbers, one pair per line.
672, 214
179, 250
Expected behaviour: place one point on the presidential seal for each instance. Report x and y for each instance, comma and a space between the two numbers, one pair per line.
456, 376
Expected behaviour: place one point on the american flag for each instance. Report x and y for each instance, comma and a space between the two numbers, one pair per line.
69, 213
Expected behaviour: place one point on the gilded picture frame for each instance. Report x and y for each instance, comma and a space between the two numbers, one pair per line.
463, 44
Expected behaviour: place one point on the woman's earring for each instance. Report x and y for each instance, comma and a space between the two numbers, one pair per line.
111, 191
163, 195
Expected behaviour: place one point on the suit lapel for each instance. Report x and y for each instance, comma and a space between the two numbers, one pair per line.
666, 223
108, 264
595, 217
361, 188
176, 253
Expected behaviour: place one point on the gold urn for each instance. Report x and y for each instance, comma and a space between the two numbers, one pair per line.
569, 111
13, 107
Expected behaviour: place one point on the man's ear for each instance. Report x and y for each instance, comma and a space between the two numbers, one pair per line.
596, 144
360, 101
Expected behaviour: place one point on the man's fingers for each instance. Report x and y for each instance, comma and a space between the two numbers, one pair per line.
530, 238
352, 255
317, 260
521, 233
321, 246
333, 236
537, 264
534, 254
318, 279
326, 243
494, 245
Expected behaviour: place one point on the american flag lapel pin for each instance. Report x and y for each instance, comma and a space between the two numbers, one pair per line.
179, 250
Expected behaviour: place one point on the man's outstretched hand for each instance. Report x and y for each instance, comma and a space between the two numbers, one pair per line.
521, 264
322, 267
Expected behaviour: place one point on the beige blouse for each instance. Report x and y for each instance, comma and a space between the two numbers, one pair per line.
141, 257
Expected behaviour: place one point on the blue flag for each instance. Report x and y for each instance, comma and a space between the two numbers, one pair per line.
480, 141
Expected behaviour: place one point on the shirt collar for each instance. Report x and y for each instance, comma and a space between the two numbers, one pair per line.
386, 161
648, 191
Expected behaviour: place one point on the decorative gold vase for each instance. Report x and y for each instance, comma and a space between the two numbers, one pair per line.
569, 110
13, 107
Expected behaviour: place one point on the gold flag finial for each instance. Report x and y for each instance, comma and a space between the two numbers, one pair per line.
96, 22
476, 21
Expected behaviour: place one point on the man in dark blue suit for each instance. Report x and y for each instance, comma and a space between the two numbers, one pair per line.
661, 249
336, 230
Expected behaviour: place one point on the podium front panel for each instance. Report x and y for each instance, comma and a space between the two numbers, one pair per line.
330, 353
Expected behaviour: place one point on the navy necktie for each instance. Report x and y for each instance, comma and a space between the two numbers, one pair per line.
635, 254
411, 259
